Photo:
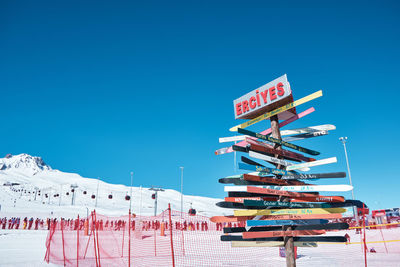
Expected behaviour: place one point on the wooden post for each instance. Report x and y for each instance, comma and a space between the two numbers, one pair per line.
288, 240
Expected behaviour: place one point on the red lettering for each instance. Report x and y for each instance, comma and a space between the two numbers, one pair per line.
264, 96
238, 109
272, 93
245, 105
258, 98
252, 102
281, 91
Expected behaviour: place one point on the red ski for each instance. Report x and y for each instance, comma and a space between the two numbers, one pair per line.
257, 146
222, 219
296, 195
247, 235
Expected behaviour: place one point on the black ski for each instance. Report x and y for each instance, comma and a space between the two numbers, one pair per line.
326, 226
333, 239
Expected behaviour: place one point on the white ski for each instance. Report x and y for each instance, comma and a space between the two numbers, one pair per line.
297, 188
275, 160
232, 138
325, 127
311, 164
304, 136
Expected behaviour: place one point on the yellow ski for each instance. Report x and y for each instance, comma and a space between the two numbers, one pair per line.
277, 111
288, 211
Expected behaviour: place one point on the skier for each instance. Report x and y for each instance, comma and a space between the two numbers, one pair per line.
30, 223
347, 238
25, 222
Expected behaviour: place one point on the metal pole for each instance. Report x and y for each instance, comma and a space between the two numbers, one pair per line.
59, 200
97, 192
344, 140
155, 204
181, 191
140, 209
130, 200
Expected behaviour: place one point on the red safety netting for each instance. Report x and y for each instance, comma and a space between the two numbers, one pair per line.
195, 241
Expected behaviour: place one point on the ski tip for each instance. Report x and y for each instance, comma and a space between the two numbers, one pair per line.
234, 128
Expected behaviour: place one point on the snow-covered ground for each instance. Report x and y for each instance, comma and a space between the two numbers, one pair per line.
22, 248
27, 248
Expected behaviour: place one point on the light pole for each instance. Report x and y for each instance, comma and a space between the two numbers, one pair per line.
344, 140
181, 190
73, 189
130, 200
155, 197
97, 191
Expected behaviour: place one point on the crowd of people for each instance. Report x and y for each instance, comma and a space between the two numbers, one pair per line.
102, 224
25, 224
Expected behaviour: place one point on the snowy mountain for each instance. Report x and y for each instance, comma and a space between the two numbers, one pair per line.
29, 186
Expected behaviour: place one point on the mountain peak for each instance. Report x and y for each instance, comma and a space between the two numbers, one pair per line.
23, 162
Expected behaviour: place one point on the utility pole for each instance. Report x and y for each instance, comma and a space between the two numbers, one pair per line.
59, 199
73, 187
344, 140
97, 192
130, 200
156, 190
181, 190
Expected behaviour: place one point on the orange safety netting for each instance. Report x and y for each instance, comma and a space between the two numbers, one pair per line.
191, 241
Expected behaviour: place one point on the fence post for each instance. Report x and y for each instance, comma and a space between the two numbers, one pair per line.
129, 249
62, 238
51, 233
94, 237
123, 239
170, 229
77, 242
97, 237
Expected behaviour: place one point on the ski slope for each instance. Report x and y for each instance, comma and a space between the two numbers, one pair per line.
33, 174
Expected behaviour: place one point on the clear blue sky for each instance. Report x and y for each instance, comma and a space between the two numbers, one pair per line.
105, 88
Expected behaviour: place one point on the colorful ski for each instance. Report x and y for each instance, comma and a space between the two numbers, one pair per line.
265, 219
239, 181
310, 129
268, 131
249, 235
274, 160
279, 204
254, 189
304, 136
287, 211
241, 244
277, 111
323, 225
304, 176
325, 239
274, 181
278, 141
312, 164
265, 148
241, 199
253, 223
297, 188
244, 166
